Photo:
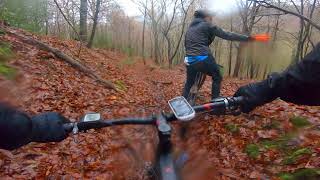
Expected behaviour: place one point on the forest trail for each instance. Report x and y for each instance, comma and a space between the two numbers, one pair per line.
279, 137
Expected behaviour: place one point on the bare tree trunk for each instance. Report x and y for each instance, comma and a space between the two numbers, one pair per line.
57, 23
83, 20
47, 19
185, 11
143, 34
300, 37
252, 64
47, 27
308, 30
249, 20
230, 48
156, 49
238, 64
275, 31
170, 60
129, 37
265, 73
95, 23
218, 50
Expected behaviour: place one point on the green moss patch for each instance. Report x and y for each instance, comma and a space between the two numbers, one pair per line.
280, 143
120, 85
293, 157
5, 55
310, 174
233, 128
7, 71
5, 52
300, 122
2, 32
253, 150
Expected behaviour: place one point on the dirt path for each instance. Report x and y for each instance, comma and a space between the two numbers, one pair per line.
217, 146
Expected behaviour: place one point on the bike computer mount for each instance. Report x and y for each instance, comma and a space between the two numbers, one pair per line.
90, 117
182, 109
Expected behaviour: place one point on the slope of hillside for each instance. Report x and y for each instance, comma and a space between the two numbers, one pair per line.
259, 145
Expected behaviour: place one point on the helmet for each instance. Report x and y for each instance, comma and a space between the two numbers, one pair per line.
203, 13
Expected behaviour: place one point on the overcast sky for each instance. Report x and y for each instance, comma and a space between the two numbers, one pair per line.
219, 6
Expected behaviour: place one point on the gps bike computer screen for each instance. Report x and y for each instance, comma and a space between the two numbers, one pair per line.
181, 108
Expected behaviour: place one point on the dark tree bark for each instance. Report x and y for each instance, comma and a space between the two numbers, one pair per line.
165, 33
308, 30
47, 27
248, 17
301, 32
230, 48
83, 20
95, 23
185, 11
266, 70
238, 64
143, 34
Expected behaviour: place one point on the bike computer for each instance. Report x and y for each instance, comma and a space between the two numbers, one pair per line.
182, 109
90, 117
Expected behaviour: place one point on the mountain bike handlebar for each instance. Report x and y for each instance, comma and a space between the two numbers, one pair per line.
219, 106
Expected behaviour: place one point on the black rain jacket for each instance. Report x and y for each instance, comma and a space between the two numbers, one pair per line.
300, 83
201, 34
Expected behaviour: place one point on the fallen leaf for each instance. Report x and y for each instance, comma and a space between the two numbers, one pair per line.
268, 134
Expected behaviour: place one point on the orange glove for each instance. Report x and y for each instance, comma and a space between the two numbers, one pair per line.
261, 37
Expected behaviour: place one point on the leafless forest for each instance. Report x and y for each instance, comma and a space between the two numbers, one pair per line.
157, 34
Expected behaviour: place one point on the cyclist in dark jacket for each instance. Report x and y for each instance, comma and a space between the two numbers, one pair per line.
18, 129
200, 35
299, 84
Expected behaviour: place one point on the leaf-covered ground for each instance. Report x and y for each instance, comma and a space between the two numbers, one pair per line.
273, 142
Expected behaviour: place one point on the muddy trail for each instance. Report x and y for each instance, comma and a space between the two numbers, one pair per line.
279, 137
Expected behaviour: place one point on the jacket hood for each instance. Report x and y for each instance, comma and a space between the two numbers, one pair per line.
197, 21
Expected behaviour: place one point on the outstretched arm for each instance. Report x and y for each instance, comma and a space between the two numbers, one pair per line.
217, 31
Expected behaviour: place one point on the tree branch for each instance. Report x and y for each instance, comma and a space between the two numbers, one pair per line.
275, 14
73, 28
268, 5
295, 5
183, 26
66, 19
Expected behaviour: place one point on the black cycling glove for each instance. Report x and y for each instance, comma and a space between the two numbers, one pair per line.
48, 127
18, 129
258, 94
15, 128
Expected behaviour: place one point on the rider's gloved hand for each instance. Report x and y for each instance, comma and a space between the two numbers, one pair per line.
258, 94
48, 127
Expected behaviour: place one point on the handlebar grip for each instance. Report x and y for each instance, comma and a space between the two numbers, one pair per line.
68, 127
236, 102
239, 100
